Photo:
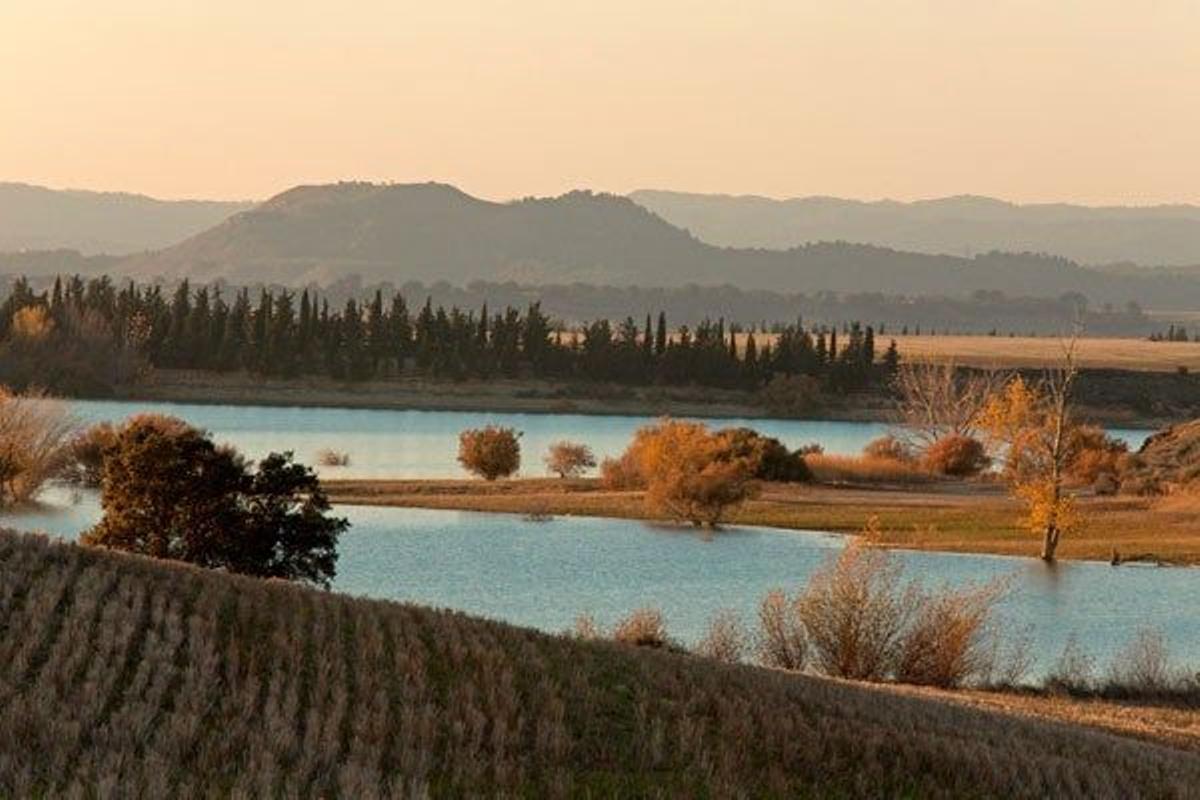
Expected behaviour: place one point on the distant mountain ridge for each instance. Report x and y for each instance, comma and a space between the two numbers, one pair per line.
113, 223
435, 232
1162, 235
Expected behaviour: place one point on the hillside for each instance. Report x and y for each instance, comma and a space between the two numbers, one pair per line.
147, 679
434, 232
1167, 235
37, 218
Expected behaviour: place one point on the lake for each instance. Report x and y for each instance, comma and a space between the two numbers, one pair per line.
544, 574
424, 444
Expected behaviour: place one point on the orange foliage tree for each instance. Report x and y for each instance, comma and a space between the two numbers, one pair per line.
491, 452
690, 473
1033, 425
569, 459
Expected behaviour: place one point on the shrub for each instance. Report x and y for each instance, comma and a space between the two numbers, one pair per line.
491, 452
35, 431
329, 457
689, 474
766, 457
587, 628
855, 613
948, 641
569, 459
1074, 672
169, 492
621, 474
87, 450
725, 640
1143, 666
956, 455
781, 643
1094, 454
643, 628
888, 448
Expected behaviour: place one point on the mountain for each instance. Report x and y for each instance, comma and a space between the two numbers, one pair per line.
36, 218
170, 681
433, 232
1167, 235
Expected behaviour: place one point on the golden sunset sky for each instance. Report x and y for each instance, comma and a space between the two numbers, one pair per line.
1094, 101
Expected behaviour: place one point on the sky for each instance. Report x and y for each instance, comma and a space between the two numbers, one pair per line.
1092, 101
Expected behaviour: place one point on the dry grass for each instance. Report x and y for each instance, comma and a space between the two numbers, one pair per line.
119, 675
35, 436
866, 469
1040, 351
954, 517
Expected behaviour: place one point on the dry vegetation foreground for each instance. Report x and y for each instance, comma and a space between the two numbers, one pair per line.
124, 676
952, 516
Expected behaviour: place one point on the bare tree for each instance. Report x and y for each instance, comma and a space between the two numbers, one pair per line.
937, 399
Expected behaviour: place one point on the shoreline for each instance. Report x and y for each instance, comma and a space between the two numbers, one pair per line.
526, 397
954, 518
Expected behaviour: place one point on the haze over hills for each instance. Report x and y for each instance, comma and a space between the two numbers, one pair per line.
1166, 235
114, 223
434, 232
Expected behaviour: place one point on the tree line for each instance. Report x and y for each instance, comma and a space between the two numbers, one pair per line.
283, 333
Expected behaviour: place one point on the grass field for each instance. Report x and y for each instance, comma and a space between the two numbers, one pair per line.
121, 676
952, 517
1023, 351
1008, 352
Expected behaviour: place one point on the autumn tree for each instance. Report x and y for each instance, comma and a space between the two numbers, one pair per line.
490, 452
689, 472
1034, 427
569, 459
168, 491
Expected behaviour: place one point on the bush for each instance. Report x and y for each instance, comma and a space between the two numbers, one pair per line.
569, 459
35, 433
888, 448
169, 492
1094, 454
1074, 672
491, 452
855, 613
329, 457
622, 474
781, 643
725, 640
1143, 666
949, 639
767, 458
87, 450
957, 456
689, 473
643, 628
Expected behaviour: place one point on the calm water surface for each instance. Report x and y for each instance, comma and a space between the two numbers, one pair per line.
424, 444
543, 574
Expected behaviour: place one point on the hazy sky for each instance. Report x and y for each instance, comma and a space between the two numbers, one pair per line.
1082, 100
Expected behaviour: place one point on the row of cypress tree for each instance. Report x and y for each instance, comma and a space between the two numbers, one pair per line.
288, 334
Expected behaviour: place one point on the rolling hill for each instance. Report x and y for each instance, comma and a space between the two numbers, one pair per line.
1167, 235
434, 232
113, 223
122, 676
